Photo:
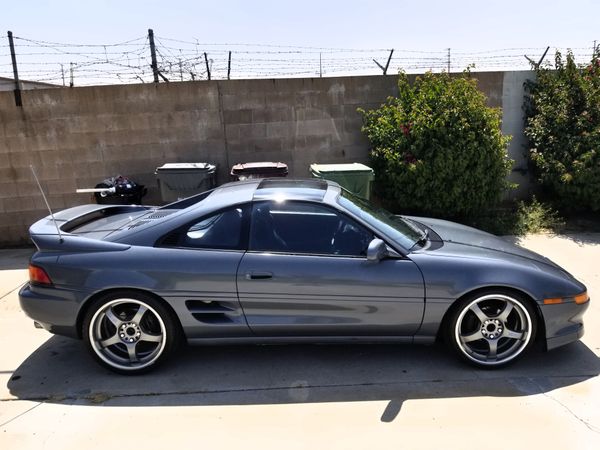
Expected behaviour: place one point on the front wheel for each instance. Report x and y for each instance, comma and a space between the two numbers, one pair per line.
492, 329
130, 332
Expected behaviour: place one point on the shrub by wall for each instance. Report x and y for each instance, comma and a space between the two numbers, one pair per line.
563, 128
437, 148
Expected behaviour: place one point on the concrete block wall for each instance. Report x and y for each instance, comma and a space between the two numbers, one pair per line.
75, 137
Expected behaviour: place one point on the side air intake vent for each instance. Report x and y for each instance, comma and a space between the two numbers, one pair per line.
213, 312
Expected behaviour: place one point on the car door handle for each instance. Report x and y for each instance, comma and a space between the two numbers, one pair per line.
258, 275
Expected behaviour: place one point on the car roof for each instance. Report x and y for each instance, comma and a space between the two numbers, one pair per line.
291, 189
278, 189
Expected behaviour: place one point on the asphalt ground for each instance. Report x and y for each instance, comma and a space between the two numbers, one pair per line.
54, 396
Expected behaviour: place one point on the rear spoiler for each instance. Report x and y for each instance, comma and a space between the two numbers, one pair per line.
44, 235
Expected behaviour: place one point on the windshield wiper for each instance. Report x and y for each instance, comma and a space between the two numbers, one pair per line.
423, 239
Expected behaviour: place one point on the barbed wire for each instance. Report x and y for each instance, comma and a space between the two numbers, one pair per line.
129, 61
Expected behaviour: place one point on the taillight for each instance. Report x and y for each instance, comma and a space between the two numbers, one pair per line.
38, 275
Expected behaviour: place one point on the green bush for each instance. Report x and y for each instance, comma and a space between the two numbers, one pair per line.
563, 127
437, 149
520, 219
534, 217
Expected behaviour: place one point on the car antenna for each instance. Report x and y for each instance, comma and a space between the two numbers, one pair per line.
60, 239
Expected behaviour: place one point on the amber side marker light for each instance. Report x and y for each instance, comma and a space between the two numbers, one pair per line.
38, 275
579, 299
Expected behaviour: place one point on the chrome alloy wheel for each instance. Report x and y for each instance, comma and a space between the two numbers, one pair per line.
493, 329
127, 334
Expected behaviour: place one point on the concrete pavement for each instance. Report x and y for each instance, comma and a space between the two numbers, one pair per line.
52, 395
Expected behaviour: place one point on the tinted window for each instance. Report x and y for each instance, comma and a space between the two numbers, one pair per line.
296, 227
394, 226
221, 231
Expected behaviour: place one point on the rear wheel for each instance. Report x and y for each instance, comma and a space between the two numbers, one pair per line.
130, 332
492, 329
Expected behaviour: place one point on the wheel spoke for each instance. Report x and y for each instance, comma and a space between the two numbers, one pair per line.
519, 335
114, 339
132, 353
472, 337
493, 349
150, 337
478, 312
118, 326
505, 313
110, 315
137, 318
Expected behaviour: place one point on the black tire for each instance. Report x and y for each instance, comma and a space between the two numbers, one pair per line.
491, 329
130, 332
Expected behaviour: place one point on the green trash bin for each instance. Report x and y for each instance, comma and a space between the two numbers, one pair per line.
355, 177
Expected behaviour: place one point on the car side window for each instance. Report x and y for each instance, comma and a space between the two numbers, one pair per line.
305, 228
223, 230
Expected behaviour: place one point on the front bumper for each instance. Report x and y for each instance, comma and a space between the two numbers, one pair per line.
53, 308
563, 323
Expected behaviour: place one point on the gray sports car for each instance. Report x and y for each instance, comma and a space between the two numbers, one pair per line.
279, 260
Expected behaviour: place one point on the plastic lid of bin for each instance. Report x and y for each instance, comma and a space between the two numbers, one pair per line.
259, 167
186, 166
329, 168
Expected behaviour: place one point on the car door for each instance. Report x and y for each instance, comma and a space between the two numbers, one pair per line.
198, 264
306, 274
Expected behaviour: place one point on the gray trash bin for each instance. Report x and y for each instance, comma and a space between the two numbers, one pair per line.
181, 180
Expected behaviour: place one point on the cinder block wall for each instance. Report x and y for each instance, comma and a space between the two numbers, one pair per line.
75, 137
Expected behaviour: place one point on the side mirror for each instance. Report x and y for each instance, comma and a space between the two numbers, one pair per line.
377, 250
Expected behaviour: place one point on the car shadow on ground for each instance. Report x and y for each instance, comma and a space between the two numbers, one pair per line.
62, 371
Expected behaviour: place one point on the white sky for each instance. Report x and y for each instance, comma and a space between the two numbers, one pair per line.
465, 26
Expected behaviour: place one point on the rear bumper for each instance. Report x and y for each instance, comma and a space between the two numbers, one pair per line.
54, 309
563, 323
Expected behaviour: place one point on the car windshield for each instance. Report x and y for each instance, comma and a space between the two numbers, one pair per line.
397, 228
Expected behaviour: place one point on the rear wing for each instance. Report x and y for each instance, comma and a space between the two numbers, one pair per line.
44, 235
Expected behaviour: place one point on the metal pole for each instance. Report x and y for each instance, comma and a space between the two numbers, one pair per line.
320, 66
448, 61
13, 56
543, 56
62, 72
72, 82
229, 66
388, 62
180, 71
153, 54
207, 68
